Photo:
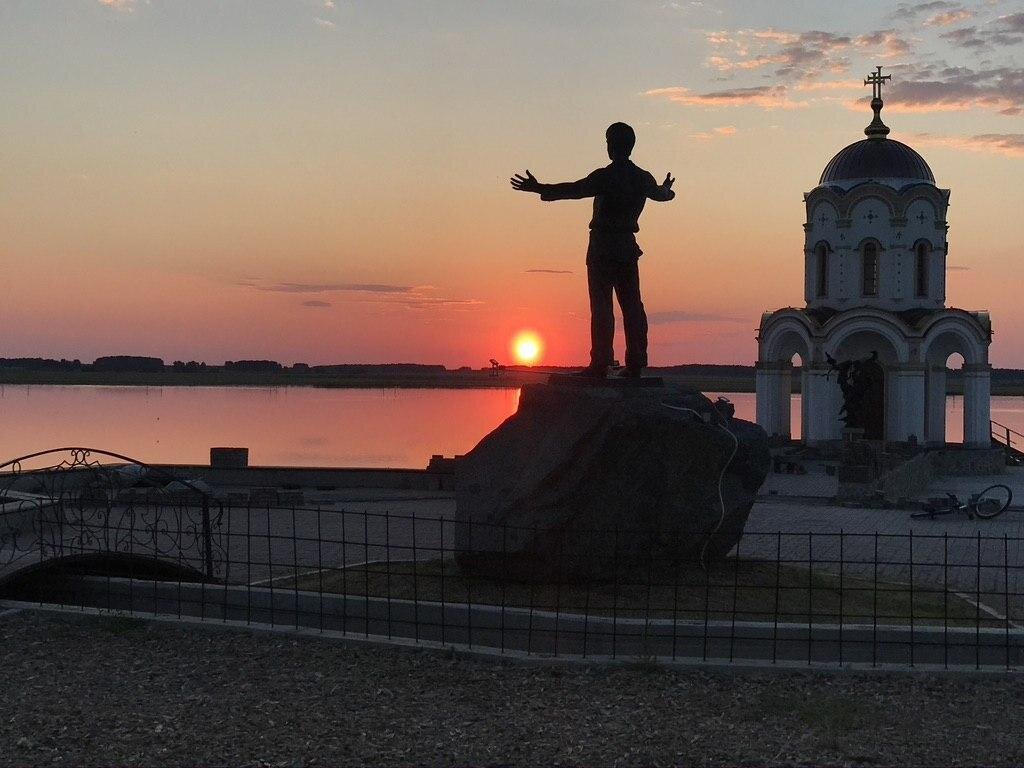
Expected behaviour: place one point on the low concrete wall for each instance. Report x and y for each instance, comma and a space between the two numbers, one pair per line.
909, 479
912, 477
968, 462
316, 477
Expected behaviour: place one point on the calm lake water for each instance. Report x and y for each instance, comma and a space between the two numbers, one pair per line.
294, 426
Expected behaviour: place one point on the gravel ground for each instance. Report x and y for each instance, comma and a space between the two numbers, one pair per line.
81, 690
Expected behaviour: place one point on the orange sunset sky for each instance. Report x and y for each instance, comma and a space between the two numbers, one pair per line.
327, 180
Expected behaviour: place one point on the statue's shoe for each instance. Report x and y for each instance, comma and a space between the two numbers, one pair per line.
630, 372
593, 372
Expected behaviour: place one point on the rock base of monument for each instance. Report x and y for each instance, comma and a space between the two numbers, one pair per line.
576, 380
583, 481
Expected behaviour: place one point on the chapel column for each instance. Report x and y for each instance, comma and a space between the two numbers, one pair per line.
908, 404
977, 406
823, 402
935, 407
774, 396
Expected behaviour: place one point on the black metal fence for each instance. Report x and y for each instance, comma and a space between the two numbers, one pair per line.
779, 597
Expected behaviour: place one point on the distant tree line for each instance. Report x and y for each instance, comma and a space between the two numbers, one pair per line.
253, 366
124, 363
41, 364
140, 364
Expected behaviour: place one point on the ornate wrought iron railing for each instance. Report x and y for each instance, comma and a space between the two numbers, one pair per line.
77, 502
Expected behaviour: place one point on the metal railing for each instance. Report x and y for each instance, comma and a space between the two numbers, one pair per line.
1010, 439
784, 597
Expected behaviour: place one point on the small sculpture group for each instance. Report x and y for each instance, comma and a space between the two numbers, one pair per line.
861, 382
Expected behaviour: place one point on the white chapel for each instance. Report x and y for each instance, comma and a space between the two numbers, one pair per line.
875, 289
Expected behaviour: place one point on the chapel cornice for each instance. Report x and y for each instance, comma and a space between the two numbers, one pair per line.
897, 200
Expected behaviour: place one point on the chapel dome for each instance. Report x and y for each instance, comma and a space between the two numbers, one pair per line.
877, 158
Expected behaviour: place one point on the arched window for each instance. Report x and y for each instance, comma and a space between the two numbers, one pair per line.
869, 261
921, 268
821, 258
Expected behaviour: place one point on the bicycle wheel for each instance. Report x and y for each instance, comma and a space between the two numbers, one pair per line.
992, 501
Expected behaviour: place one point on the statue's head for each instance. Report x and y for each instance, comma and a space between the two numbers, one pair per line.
621, 139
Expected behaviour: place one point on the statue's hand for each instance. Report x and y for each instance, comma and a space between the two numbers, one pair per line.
669, 181
527, 183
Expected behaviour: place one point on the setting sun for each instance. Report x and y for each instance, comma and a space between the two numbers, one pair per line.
527, 347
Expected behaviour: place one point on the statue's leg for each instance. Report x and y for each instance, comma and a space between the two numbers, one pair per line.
634, 318
600, 280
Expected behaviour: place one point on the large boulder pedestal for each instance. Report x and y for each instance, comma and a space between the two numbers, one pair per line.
584, 481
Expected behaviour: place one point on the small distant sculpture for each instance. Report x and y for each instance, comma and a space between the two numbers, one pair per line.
861, 383
619, 191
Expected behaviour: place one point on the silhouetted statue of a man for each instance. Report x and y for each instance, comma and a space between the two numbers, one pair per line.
619, 191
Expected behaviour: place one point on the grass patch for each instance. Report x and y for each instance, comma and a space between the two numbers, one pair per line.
744, 590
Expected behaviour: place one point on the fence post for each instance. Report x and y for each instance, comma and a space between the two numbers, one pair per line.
1006, 595
295, 568
945, 600
977, 607
810, 595
775, 616
911, 599
615, 592
207, 537
841, 603
874, 605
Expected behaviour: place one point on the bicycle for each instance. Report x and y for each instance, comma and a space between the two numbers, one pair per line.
990, 503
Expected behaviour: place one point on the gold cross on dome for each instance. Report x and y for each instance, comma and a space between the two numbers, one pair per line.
875, 80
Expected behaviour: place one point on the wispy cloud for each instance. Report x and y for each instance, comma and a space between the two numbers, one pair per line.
801, 54
806, 55
324, 23
416, 297
127, 6
923, 88
913, 11
830, 85
885, 43
1007, 144
1001, 32
334, 288
550, 271
949, 18
764, 96
722, 131
686, 316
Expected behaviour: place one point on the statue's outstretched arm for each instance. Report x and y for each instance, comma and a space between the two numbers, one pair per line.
527, 183
663, 192
589, 186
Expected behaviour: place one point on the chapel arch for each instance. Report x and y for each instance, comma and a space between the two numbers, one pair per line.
877, 357
781, 347
948, 348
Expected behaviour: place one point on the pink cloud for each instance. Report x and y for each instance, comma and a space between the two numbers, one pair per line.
949, 18
764, 96
1007, 144
723, 131
887, 43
